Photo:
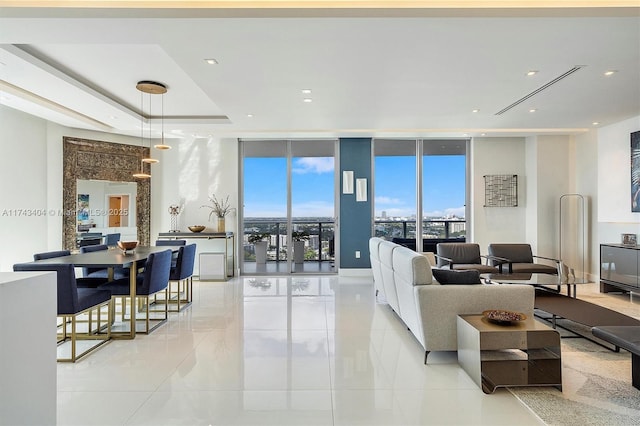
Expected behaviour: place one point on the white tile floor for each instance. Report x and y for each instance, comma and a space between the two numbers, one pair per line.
278, 351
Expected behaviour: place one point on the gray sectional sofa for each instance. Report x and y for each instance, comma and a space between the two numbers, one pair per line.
429, 309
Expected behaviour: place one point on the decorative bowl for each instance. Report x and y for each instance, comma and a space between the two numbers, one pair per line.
197, 228
127, 245
503, 317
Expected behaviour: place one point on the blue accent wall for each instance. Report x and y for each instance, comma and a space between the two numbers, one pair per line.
355, 216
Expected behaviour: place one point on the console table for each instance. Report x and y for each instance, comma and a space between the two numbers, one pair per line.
619, 268
526, 353
200, 237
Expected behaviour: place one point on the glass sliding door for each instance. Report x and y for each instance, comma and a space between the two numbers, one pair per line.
420, 189
313, 206
264, 212
288, 198
395, 190
444, 191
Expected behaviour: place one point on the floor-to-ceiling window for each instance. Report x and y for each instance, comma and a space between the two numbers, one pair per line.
438, 197
444, 191
288, 191
395, 188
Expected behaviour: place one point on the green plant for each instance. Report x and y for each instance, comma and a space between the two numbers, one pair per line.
220, 208
257, 236
300, 236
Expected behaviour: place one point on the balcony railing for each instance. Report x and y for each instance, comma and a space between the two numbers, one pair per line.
431, 229
319, 247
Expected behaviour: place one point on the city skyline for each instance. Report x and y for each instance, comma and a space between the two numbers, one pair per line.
265, 186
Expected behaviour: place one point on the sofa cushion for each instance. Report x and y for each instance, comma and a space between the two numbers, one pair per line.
447, 276
411, 267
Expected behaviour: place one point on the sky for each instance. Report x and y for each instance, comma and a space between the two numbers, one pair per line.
265, 189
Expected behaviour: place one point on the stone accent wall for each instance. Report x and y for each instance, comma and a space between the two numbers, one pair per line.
89, 159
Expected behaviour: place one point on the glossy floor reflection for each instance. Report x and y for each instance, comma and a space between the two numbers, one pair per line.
312, 350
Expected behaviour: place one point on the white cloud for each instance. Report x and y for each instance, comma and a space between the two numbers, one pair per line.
450, 211
382, 200
313, 165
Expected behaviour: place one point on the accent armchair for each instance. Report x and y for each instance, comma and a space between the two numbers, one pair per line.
520, 259
463, 256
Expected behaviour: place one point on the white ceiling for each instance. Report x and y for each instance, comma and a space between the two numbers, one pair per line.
419, 73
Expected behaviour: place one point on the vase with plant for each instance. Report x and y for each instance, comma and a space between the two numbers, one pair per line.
299, 238
260, 243
221, 208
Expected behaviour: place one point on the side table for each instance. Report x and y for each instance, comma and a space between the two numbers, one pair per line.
526, 353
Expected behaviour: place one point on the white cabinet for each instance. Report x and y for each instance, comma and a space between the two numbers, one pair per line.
28, 307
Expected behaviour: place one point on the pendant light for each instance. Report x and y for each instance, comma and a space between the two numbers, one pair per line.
151, 88
142, 174
162, 145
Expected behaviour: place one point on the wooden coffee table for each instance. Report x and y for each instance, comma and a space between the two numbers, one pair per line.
526, 353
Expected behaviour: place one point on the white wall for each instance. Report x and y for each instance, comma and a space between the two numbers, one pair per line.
497, 156
188, 174
31, 176
24, 210
544, 168
585, 155
550, 168
614, 182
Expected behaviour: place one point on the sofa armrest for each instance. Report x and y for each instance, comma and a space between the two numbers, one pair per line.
439, 306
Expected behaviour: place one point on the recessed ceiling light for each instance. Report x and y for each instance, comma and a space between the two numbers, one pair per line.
250, 115
483, 134
610, 72
532, 72
211, 61
307, 100
475, 110
306, 91
595, 123
532, 110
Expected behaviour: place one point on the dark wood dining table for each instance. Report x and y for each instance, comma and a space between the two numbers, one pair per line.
109, 259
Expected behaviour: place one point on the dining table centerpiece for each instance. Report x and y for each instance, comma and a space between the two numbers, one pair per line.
221, 208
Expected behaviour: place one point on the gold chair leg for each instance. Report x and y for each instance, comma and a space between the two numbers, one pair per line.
73, 338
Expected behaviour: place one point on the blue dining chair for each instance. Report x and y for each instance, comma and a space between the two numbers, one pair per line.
171, 243
102, 273
88, 282
74, 302
51, 254
111, 240
154, 279
182, 274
